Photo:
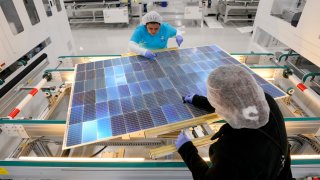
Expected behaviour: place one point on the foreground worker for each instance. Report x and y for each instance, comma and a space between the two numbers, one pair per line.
253, 144
152, 35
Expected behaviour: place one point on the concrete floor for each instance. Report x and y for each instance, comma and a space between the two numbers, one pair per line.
114, 41
100, 38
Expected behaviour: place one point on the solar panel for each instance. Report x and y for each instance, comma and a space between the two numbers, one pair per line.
124, 95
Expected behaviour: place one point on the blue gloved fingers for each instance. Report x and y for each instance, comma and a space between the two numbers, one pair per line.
179, 40
181, 140
150, 55
188, 98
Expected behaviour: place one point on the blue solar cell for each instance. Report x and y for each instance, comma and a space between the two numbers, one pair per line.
170, 113
274, 92
176, 81
101, 95
89, 97
78, 87
113, 93
158, 117
203, 88
98, 65
114, 107
140, 76
193, 88
186, 68
89, 112
131, 122
196, 112
145, 120
183, 111
173, 96
133, 59
183, 91
259, 79
195, 67
150, 100
89, 85
110, 82
102, 110
158, 73
100, 73
149, 74
138, 102
74, 134
127, 105
118, 125
120, 79
233, 60
179, 71
118, 70
128, 68
125, 60
116, 62
203, 76
211, 64
80, 76
195, 78
89, 131
123, 91
161, 98
146, 65
134, 89
136, 67
170, 71
165, 83
185, 79
76, 115
107, 63
104, 128
100, 83
156, 85
109, 71
81, 67
202, 57
131, 78
145, 87
78, 99
89, 66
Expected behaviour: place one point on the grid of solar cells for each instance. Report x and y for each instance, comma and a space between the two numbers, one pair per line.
124, 95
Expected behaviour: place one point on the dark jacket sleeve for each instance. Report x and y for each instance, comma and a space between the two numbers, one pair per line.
276, 115
195, 163
203, 103
223, 169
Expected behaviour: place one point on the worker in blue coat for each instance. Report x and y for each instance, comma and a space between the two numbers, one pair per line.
253, 144
152, 34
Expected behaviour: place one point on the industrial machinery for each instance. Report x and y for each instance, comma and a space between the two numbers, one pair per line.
38, 83
111, 11
243, 10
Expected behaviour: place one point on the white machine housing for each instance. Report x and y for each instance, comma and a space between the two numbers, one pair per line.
52, 29
304, 39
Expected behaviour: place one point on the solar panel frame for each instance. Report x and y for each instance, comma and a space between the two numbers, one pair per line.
130, 94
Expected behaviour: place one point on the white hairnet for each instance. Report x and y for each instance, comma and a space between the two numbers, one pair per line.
152, 16
236, 96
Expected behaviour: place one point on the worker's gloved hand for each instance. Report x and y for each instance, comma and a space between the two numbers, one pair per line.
181, 140
188, 98
179, 40
150, 55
